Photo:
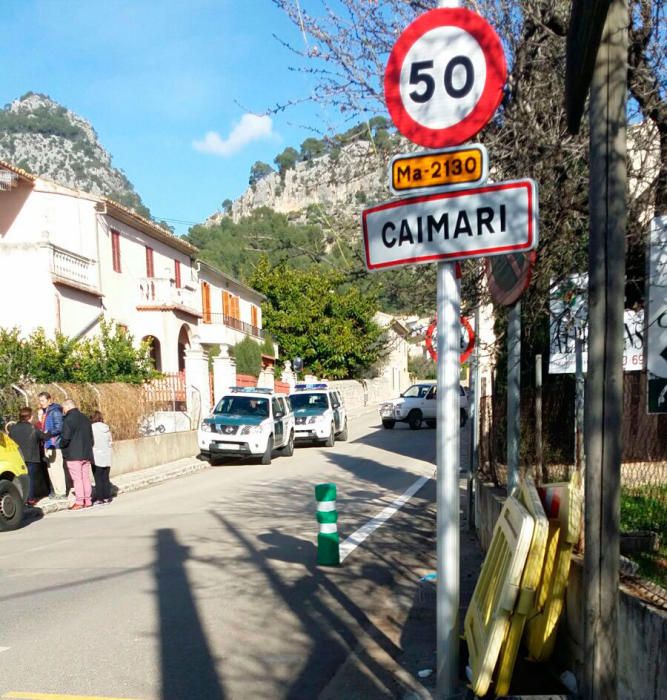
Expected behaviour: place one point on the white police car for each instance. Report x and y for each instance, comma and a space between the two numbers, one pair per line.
417, 404
248, 421
319, 414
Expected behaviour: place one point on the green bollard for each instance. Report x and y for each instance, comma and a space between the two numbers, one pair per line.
328, 551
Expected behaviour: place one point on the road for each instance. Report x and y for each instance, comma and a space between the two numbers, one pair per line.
206, 586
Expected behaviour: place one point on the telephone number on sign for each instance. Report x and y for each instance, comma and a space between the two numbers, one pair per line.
436, 170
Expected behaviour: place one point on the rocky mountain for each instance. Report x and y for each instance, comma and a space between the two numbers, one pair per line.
344, 179
43, 137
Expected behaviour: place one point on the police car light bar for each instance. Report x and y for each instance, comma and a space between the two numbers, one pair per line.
302, 387
250, 390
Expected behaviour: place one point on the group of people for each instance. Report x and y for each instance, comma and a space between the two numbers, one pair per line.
71, 444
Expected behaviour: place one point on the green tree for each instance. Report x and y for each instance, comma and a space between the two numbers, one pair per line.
248, 357
286, 160
314, 316
258, 172
312, 148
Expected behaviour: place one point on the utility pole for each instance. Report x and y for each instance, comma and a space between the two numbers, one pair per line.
604, 385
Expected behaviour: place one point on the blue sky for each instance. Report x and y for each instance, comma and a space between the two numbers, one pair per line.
174, 89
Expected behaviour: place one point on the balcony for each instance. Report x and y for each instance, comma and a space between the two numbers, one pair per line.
162, 294
220, 328
74, 270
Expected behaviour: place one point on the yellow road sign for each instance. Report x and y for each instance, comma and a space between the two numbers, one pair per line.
438, 170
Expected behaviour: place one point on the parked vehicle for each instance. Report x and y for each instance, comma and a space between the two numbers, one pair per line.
319, 414
13, 484
248, 421
417, 404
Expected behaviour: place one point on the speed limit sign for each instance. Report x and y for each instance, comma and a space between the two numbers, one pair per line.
445, 77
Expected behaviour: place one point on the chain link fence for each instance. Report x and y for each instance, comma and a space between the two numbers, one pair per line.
644, 462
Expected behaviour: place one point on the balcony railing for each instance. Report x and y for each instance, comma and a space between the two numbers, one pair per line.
69, 267
161, 291
231, 322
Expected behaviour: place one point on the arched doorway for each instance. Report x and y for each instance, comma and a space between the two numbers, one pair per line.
183, 345
155, 351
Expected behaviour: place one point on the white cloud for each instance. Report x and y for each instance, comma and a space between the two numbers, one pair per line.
251, 128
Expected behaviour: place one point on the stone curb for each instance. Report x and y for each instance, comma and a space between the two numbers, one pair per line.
135, 484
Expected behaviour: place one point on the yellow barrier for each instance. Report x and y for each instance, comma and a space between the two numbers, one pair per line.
487, 617
532, 573
563, 505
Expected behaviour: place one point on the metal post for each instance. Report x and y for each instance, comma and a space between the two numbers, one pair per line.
579, 404
448, 503
539, 451
604, 387
474, 403
513, 396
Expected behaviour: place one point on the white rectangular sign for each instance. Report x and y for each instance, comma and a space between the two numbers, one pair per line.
490, 220
568, 310
656, 345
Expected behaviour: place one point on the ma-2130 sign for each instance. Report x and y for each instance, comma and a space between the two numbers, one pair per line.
435, 170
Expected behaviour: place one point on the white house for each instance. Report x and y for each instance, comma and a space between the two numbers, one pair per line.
69, 259
393, 366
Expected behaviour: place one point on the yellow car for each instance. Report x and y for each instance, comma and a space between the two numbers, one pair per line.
13, 483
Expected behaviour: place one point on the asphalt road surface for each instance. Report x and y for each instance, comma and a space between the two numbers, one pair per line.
207, 587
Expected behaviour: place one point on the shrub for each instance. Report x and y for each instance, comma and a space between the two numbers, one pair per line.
248, 356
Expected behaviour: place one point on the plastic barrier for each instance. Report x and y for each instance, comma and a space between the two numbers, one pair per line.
487, 618
563, 505
532, 573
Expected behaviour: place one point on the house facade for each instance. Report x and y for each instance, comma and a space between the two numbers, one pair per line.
69, 259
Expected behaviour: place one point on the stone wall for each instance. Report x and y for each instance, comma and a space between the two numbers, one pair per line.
642, 629
146, 452
358, 396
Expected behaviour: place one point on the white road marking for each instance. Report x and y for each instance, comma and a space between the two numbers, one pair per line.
357, 537
4, 649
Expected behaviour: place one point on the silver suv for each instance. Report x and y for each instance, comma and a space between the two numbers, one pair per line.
417, 404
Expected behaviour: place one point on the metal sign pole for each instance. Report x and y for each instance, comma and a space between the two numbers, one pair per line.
448, 504
513, 396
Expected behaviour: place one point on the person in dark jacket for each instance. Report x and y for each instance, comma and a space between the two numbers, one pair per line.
76, 442
29, 439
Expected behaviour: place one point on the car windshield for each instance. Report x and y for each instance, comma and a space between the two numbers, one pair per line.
417, 391
242, 406
308, 401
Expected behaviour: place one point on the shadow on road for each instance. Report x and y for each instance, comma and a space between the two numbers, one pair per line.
187, 667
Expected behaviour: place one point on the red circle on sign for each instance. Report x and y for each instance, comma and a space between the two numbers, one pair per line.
492, 94
433, 352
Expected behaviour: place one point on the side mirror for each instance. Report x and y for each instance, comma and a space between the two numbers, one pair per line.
278, 414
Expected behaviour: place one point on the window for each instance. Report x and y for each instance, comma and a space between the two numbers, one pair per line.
115, 250
206, 301
177, 273
150, 267
230, 306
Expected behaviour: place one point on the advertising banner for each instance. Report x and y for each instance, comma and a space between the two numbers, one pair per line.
568, 309
656, 354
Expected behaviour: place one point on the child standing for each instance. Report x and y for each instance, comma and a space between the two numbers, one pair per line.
102, 455
29, 439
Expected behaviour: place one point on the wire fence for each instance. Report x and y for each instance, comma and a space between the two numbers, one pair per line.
549, 454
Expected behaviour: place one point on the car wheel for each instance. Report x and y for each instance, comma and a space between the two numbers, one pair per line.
330, 441
415, 419
288, 450
431, 423
266, 457
342, 436
463, 417
11, 506
388, 424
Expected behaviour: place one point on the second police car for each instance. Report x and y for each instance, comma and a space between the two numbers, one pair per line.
248, 421
319, 414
